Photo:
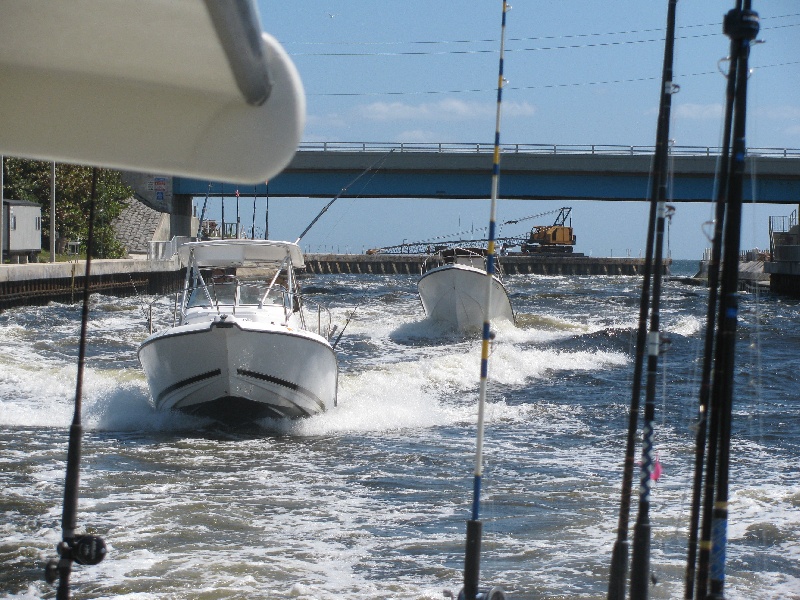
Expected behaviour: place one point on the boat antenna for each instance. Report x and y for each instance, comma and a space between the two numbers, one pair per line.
342, 191
203, 212
474, 525
82, 549
640, 569
741, 25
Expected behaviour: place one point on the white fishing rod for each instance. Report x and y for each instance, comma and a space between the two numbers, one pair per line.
474, 526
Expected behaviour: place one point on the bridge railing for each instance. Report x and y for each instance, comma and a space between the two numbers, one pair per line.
487, 148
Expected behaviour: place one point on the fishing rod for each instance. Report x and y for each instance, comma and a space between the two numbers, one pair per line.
81, 549
474, 526
640, 569
709, 339
741, 25
346, 323
342, 191
640, 564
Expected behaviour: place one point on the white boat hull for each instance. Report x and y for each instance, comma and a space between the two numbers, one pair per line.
238, 371
456, 294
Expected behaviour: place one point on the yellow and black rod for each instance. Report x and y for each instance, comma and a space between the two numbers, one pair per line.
474, 526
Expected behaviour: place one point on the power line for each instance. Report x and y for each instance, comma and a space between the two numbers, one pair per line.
493, 51
533, 87
517, 39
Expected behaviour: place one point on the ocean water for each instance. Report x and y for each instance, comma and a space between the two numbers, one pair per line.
370, 499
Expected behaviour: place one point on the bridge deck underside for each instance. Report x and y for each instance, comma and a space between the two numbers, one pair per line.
522, 177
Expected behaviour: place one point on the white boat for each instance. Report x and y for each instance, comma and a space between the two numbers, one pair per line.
453, 289
245, 344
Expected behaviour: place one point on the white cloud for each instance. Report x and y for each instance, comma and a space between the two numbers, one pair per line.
448, 109
418, 136
699, 111
784, 112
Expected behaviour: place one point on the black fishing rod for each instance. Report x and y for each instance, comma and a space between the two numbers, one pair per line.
342, 191
81, 549
640, 569
640, 564
742, 26
710, 334
341, 333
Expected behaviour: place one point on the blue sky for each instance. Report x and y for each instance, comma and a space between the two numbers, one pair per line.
578, 72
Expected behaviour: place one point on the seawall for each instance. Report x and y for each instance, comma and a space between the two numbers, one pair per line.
39, 283
524, 264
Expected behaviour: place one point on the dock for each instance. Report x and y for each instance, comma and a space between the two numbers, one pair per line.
514, 264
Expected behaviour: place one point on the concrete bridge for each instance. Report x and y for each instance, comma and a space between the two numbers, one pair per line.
527, 172
462, 171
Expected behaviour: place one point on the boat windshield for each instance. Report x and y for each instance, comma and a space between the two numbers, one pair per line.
231, 292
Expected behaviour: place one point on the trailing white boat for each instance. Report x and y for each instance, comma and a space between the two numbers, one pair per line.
453, 289
245, 345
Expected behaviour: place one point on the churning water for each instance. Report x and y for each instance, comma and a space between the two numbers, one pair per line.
369, 501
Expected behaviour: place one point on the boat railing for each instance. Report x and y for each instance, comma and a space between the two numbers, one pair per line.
459, 255
222, 297
315, 317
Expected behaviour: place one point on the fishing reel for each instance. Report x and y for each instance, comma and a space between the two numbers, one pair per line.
493, 593
82, 549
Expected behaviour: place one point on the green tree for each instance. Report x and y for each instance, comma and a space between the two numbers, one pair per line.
30, 180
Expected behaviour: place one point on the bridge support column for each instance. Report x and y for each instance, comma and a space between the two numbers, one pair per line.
180, 219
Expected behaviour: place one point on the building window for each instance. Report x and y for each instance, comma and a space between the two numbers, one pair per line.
13, 223
38, 223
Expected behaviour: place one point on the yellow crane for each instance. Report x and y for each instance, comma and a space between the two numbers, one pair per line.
557, 237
